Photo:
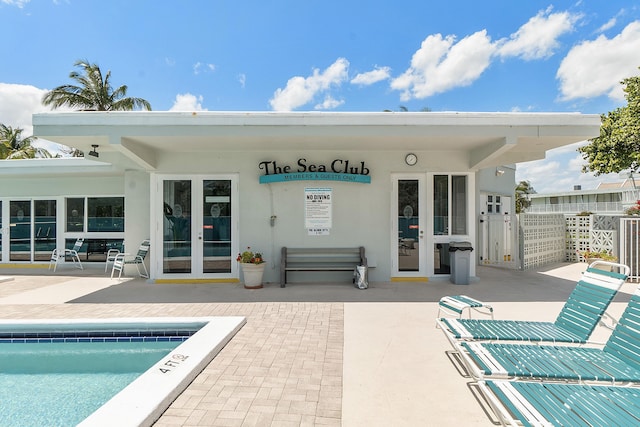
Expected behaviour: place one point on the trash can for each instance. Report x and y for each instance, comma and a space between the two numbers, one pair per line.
460, 254
360, 277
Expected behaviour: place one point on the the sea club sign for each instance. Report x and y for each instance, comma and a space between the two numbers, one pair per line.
337, 170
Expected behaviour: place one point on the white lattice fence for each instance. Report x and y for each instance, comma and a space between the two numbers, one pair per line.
542, 239
596, 233
578, 229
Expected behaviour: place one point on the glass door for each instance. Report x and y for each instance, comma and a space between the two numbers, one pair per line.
198, 227
1, 232
408, 217
20, 230
176, 248
216, 230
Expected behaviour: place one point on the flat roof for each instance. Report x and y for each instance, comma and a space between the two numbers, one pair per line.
490, 139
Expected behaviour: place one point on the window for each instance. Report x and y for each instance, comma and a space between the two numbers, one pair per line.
105, 214
75, 214
450, 195
494, 204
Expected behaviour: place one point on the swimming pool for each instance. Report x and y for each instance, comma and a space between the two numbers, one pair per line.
71, 367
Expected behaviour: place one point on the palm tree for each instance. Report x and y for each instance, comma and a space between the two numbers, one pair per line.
523, 189
13, 146
93, 93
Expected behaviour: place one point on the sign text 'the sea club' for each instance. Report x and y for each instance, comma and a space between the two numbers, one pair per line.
337, 170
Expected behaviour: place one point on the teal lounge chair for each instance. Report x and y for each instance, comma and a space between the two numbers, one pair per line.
617, 362
532, 403
578, 318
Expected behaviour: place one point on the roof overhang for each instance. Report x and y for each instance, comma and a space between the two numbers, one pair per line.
489, 139
64, 166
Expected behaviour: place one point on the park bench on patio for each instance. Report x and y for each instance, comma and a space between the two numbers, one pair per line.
320, 259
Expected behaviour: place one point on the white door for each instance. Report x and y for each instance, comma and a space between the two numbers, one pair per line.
408, 217
196, 217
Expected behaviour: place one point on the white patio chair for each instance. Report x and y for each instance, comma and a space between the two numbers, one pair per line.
120, 260
58, 254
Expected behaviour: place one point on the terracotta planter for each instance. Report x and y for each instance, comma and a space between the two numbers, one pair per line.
252, 275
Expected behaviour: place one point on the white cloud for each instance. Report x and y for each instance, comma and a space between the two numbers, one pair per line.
242, 78
200, 67
302, 90
187, 102
560, 171
538, 38
596, 67
19, 3
371, 77
442, 64
328, 103
18, 103
607, 25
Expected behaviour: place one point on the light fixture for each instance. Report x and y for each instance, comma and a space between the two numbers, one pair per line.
93, 152
499, 172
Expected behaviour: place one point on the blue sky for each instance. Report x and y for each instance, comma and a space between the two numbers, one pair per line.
492, 55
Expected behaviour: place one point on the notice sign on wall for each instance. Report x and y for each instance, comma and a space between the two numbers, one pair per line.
317, 210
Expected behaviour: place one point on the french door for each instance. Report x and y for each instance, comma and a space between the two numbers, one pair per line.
27, 230
408, 216
198, 231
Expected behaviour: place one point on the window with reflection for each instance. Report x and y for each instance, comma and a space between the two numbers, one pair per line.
459, 204
450, 202
44, 229
105, 214
177, 226
440, 204
75, 214
216, 214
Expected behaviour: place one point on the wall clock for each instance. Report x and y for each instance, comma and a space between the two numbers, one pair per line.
411, 159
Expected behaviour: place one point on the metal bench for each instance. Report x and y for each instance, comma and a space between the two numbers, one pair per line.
320, 259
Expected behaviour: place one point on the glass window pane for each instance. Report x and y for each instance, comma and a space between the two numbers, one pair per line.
459, 204
440, 204
95, 250
408, 225
177, 226
75, 214
45, 229
105, 214
20, 230
216, 216
441, 259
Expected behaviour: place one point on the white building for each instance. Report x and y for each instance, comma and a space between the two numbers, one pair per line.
205, 185
609, 198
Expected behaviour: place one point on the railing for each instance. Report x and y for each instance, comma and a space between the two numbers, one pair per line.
601, 208
630, 246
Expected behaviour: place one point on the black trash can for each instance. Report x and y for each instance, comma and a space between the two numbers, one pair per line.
460, 258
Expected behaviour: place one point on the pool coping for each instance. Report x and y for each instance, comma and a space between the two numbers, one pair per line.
145, 399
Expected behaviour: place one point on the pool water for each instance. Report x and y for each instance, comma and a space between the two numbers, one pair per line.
61, 383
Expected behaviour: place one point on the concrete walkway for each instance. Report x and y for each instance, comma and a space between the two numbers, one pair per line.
306, 357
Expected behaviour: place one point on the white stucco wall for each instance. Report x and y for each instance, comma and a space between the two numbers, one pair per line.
361, 212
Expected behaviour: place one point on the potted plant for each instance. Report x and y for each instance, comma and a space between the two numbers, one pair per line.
252, 265
591, 256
